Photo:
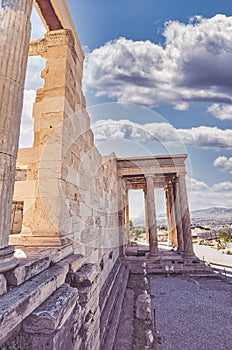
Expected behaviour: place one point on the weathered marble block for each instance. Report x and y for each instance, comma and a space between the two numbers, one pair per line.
84, 277
27, 270
20, 302
143, 307
76, 262
53, 313
3, 285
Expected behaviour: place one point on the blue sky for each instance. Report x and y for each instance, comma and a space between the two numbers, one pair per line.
172, 57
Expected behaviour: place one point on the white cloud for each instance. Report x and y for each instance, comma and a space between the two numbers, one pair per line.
202, 136
38, 30
181, 106
224, 163
196, 185
193, 65
220, 111
203, 196
35, 66
27, 122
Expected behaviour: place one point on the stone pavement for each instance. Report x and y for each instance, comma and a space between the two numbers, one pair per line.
192, 313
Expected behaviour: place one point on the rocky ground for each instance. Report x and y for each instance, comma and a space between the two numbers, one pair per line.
193, 314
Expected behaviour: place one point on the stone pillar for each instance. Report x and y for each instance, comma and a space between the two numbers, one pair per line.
172, 234
121, 215
146, 216
48, 213
186, 223
178, 216
15, 29
151, 213
127, 217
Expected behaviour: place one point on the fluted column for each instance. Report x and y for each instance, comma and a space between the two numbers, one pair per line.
127, 217
121, 215
172, 235
151, 214
186, 223
179, 229
15, 32
171, 215
146, 216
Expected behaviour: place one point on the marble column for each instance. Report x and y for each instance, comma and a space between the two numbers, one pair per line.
186, 223
179, 229
127, 217
146, 216
15, 29
151, 214
121, 215
172, 234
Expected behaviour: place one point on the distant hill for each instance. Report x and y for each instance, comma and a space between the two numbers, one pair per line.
215, 215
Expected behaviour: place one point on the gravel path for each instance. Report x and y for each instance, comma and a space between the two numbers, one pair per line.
193, 314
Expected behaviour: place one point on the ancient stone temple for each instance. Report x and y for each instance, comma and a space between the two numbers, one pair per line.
63, 240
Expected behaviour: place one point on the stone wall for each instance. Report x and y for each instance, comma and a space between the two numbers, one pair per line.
68, 240
68, 188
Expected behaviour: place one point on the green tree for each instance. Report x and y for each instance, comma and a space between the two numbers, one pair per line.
225, 238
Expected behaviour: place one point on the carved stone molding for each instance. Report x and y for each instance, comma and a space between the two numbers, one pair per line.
52, 39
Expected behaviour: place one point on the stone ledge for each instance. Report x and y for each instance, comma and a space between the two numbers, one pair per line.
84, 277
111, 313
26, 270
20, 302
108, 285
3, 286
53, 313
35, 260
75, 262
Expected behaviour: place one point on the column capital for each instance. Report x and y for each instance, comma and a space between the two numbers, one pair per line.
181, 173
149, 176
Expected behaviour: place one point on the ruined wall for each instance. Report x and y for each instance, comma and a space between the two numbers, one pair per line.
62, 293
69, 190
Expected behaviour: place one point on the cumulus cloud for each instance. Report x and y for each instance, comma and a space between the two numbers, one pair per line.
33, 76
224, 163
38, 30
202, 136
27, 122
220, 111
203, 196
181, 106
193, 65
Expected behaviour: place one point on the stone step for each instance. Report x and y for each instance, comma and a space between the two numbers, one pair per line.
107, 287
111, 313
20, 302
34, 264
124, 337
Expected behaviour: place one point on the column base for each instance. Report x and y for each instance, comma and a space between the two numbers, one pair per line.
7, 259
153, 255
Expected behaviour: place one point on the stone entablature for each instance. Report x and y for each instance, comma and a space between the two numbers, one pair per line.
166, 172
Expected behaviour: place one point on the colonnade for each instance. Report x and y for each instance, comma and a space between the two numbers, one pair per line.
178, 216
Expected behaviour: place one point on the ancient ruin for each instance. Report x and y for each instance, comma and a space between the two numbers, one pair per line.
70, 214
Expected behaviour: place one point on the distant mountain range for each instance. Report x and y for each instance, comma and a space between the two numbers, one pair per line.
215, 215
